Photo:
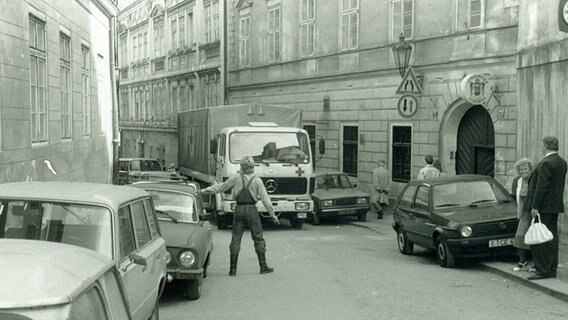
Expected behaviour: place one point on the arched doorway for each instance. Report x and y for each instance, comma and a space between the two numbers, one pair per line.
475, 151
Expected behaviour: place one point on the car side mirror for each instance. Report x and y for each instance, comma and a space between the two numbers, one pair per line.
136, 259
321, 146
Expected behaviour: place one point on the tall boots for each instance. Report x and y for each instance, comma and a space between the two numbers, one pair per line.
233, 266
264, 268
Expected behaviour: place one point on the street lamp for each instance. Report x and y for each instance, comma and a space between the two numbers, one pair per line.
401, 51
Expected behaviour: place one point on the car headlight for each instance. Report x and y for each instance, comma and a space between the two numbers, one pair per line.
326, 203
362, 200
187, 258
302, 206
465, 231
168, 257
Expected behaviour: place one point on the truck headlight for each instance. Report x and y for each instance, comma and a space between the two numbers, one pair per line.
302, 206
362, 200
465, 231
187, 258
326, 203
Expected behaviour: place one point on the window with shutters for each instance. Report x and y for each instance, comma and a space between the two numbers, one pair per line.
274, 34
349, 24
307, 27
469, 14
38, 79
402, 17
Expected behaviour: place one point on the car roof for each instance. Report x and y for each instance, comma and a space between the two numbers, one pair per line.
40, 273
74, 192
166, 185
450, 179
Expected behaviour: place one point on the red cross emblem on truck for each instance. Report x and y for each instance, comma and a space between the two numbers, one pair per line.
299, 171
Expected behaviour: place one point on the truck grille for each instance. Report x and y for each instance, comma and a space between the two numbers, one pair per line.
278, 186
345, 201
494, 228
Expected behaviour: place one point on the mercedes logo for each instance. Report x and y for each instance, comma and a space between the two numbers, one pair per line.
503, 225
271, 185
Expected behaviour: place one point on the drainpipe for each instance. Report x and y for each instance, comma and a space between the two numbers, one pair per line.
114, 85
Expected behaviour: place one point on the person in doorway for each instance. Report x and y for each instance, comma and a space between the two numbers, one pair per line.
519, 189
428, 171
381, 187
545, 199
247, 189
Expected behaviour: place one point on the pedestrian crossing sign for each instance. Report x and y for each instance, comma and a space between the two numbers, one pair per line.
409, 83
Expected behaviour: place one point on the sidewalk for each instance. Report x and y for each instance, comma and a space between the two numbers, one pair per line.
557, 287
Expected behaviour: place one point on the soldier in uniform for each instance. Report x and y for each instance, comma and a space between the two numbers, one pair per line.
247, 190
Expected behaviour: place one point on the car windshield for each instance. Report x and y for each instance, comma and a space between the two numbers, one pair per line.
145, 165
86, 226
270, 147
330, 181
467, 193
176, 205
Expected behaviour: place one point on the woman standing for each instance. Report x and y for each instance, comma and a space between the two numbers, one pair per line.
524, 168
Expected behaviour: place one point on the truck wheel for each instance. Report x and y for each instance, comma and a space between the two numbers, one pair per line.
297, 223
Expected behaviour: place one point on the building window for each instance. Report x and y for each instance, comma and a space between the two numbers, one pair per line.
181, 25
85, 90
211, 21
159, 36
124, 114
402, 19
401, 153
469, 14
145, 46
134, 48
307, 27
350, 149
244, 41
174, 32
212, 90
38, 80
123, 51
65, 85
349, 24
274, 34
190, 38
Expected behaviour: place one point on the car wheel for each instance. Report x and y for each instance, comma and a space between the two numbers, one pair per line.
156, 312
297, 223
315, 219
193, 289
362, 217
405, 246
444, 255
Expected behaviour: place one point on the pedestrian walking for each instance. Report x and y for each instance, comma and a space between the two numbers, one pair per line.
381, 187
545, 199
428, 171
519, 189
247, 189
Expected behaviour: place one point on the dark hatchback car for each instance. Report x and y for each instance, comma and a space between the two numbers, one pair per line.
457, 216
335, 196
188, 235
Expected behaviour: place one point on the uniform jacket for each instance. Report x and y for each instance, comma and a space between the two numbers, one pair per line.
546, 185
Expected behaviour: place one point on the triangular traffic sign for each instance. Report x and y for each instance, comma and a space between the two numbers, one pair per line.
409, 84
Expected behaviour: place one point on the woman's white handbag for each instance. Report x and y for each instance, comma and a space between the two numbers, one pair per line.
538, 233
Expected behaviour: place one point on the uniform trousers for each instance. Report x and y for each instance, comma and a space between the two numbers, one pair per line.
247, 215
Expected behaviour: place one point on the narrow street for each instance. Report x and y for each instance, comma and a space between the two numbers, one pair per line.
346, 272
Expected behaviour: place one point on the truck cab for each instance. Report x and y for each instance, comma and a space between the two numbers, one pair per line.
283, 161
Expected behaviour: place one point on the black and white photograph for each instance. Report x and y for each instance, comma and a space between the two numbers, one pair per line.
283, 159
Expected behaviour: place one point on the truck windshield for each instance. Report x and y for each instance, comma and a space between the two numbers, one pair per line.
270, 147
86, 226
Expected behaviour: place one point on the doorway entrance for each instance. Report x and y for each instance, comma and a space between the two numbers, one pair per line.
475, 153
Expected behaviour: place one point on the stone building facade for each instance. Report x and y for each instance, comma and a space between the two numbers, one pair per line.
334, 60
170, 60
56, 90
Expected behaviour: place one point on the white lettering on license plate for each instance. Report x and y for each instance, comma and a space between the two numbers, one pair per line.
500, 242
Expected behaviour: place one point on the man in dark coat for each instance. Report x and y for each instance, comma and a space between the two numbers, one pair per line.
545, 198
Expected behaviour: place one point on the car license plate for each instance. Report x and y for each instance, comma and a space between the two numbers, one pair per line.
500, 242
302, 215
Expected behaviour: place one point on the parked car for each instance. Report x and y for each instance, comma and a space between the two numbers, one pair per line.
188, 236
334, 195
457, 216
139, 169
47, 280
116, 221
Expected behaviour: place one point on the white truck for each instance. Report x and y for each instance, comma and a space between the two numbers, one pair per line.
213, 140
